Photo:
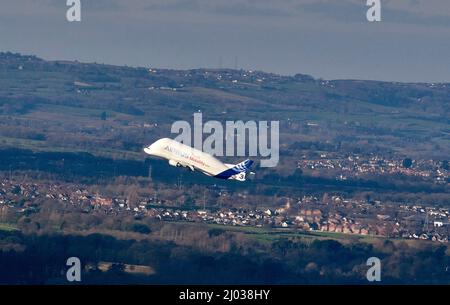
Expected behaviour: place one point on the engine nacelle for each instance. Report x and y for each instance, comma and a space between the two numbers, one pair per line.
174, 163
178, 164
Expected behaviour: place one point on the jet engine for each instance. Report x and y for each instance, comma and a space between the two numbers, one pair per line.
174, 163
178, 164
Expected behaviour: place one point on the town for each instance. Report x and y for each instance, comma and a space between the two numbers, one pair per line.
347, 166
331, 213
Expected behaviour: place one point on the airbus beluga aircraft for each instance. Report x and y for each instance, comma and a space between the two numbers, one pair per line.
181, 155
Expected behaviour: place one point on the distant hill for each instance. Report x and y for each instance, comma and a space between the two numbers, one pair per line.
113, 110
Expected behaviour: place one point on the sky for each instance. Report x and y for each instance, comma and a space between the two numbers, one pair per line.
329, 39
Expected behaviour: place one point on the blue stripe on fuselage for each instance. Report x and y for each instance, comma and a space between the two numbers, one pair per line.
227, 174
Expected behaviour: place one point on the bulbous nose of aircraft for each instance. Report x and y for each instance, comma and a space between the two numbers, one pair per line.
149, 150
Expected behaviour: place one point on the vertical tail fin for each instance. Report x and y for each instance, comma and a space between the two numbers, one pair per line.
243, 166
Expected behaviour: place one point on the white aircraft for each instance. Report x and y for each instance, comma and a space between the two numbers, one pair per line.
181, 155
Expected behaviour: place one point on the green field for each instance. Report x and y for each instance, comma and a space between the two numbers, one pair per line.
269, 235
8, 227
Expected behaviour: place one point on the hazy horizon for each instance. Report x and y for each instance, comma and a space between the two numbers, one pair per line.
323, 38
210, 68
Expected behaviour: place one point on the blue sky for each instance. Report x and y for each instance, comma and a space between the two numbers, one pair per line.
330, 39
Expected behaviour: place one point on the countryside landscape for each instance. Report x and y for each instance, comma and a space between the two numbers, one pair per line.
364, 171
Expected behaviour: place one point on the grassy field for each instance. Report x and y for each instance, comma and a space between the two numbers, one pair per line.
270, 235
8, 227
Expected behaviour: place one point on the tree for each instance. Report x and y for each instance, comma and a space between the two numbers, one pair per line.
103, 116
407, 163
325, 198
140, 228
